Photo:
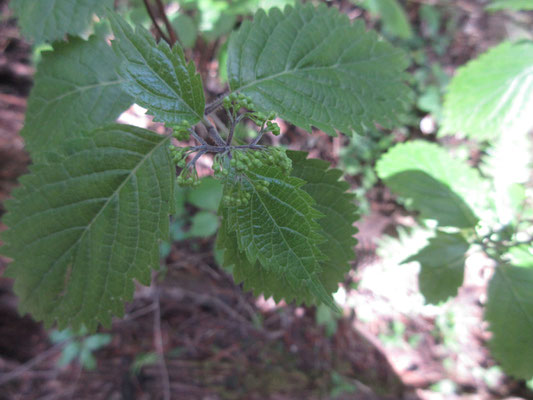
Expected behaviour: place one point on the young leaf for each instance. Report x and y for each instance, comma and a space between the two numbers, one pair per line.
492, 94
76, 89
278, 229
516, 5
442, 262
395, 21
157, 76
336, 227
256, 277
315, 68
50, 20
206, 196
435, 184
510, 314
339, 210
81, 229
203, 224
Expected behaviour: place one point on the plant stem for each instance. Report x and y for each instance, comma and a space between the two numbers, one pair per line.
154, 21
231, 131
196, 157
213, 132
197, 137
260, 134
168, 25
234, 123
211, 107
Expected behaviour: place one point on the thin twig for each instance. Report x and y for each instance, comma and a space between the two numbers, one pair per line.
196, 157
234, 123
213, 132
225, 148
197, 137
259, 136
168, 25
32, 363
219, 124
231, 131
211, 107
154, 21
158, 341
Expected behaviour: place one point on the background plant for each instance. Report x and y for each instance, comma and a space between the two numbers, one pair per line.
487, 101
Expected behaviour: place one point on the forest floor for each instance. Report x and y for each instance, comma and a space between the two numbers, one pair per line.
201, 337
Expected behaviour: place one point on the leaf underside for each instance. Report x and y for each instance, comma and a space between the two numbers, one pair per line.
315, 68
492, 94
275, 244
83, 227
442, 262
157, 76
76, 89
510, 314
50, 20
433, 183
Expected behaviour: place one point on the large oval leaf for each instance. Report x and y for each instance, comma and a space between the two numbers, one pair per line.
493, 94
76, 89
510, 314
315, 68
83, 227
50, 20
433, 183
157, 76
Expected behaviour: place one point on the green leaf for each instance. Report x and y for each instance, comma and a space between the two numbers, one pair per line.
157, 76
256, 277
204, 224
186, 30
50, 20
393, 16
521, 256
433, 183
442, 262
516, 5
82, 228
278, 229
315, 68
492, 94
340, 213
76, 89
207, 195
510, 314
179, 201
69, 354
334, 253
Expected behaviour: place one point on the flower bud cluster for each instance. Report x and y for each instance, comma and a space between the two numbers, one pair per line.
181, 131
238, 197
179, 155
188, 177
243, 160
236, 101
276, 157
220, 163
